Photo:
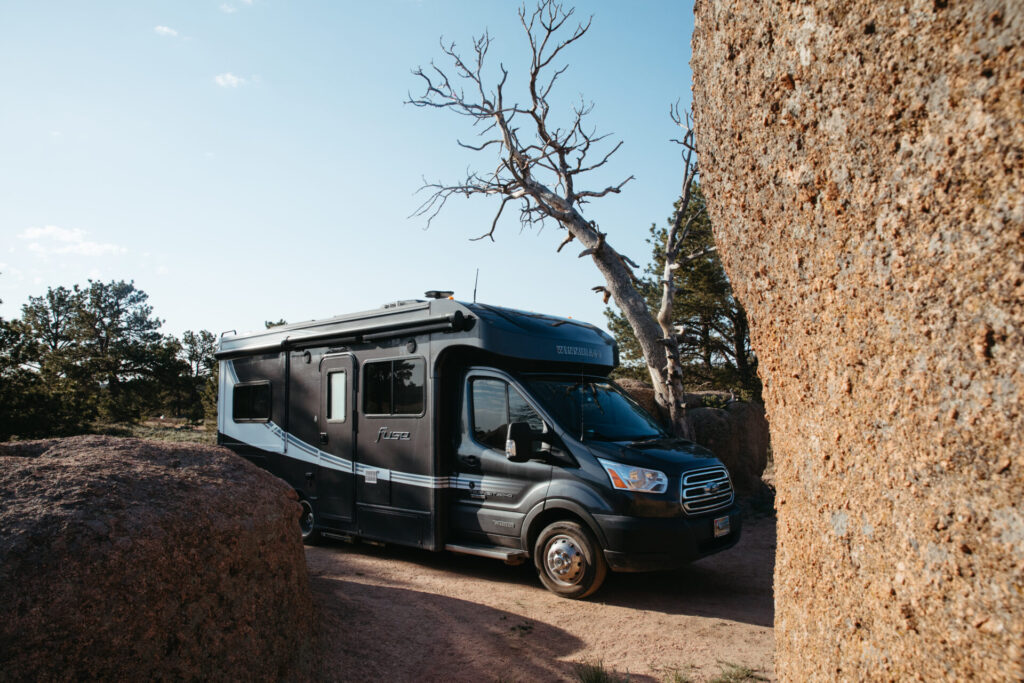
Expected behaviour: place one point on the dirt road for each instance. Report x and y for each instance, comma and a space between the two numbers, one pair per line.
394, 614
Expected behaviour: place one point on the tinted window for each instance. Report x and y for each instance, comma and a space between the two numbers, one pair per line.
394, 387
407, 380
251, 402
495, 405
520, 411
377, 388
337, 386
594, 409
490, 413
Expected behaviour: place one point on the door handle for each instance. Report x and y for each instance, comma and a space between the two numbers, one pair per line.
323, 437
470, 460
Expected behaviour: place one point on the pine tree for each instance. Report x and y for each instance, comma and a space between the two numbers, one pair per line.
712, 326
197, 349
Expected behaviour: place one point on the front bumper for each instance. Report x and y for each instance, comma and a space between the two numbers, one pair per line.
640, 544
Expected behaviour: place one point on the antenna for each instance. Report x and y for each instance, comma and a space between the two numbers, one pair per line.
475, 281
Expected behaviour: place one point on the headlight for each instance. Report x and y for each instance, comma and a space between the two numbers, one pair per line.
631, 478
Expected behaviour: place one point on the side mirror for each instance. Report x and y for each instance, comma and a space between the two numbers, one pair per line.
519, 442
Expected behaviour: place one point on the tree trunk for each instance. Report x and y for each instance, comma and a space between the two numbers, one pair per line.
657, 338
740, 333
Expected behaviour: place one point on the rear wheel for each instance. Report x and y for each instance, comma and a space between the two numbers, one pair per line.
307, 524
569, 560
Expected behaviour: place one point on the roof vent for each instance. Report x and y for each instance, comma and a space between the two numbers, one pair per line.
438, 294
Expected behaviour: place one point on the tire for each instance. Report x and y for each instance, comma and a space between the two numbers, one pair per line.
569, 560
307, 524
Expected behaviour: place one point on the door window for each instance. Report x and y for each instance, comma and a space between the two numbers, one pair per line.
337, 387
494, 405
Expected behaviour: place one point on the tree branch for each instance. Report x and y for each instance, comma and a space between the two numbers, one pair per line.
541, 163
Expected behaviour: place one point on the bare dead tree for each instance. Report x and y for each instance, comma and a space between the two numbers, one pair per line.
540, 165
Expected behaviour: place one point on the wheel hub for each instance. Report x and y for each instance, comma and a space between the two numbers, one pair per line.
564, 560
306, 520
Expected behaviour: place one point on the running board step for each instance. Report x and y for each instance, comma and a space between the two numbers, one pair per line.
495, 552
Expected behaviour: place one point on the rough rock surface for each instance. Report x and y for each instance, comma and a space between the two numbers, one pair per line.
123, 559
735, 431
864, 166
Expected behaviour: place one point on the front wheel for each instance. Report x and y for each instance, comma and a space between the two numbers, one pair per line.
307, 524
569, 560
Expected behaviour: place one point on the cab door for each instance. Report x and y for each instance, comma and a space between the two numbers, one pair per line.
491, 494
335, 478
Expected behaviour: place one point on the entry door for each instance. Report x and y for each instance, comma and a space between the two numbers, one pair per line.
492, 494
335, 475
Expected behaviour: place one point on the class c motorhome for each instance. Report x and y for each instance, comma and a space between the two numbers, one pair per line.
475, 429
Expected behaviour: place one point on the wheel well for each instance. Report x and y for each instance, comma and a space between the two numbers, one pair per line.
548, 517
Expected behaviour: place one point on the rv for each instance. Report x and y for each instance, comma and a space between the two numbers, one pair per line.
476, 429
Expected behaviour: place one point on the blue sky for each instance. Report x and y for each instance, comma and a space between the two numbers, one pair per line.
244, 161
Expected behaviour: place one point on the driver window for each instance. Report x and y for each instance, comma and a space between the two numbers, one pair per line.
494, 405
520, 411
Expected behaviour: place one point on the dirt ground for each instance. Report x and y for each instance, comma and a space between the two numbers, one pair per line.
396, 614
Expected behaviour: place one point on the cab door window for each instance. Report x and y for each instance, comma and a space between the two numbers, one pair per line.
494, 404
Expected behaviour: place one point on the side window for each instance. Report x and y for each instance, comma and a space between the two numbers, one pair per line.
394, 387
494, 405
377, 388
408, 378
520, 411
490, 413
251, 402
337, 391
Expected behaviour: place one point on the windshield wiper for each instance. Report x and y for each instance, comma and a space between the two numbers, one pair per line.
595, 435
644, 438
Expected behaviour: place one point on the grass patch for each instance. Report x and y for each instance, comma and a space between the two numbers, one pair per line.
594, 672
170, 431
735, 673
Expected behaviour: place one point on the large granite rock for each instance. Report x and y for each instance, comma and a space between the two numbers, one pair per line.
864, 169
123, 559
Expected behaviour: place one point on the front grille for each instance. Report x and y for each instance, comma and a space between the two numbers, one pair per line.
706, 490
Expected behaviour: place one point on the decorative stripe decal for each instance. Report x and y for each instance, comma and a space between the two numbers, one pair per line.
280, 441
300, 450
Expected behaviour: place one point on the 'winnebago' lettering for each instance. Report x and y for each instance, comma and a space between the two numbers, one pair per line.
383, 433
586, 352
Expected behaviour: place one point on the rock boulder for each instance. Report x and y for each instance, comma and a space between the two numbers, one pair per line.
123, 559
863, 165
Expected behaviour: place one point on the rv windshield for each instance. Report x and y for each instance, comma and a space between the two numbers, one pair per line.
594, 409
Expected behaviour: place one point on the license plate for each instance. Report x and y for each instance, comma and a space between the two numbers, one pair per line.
722, 526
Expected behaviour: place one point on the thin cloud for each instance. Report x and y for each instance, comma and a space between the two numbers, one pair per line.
50, 239
229, 80
165, 31
228, 8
